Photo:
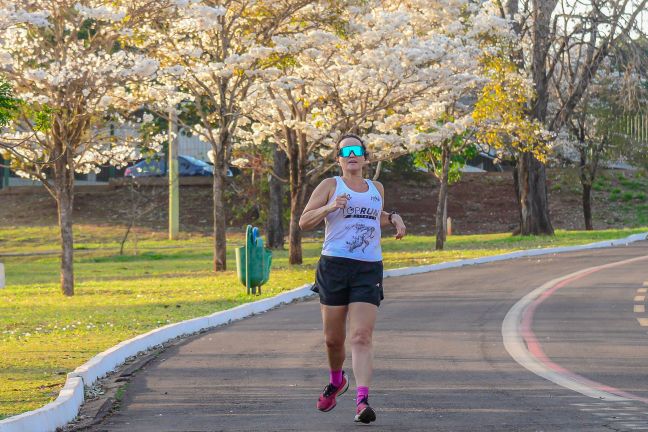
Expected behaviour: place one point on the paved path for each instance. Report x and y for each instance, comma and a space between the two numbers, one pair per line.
440, 364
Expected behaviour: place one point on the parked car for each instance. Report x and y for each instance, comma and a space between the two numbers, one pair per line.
187, 166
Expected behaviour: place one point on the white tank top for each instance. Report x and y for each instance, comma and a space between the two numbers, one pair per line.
354, 232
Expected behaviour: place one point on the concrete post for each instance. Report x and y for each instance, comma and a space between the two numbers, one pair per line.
111, 168
4, 169
2, 276
449, 226
172, 172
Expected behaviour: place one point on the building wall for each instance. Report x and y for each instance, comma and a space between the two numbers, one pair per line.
192, 146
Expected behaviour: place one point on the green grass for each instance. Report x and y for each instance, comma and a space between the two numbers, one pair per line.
44, 335
628, 189
627, 196
642, 214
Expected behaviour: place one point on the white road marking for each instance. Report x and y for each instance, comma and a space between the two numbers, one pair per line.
622, 414
640, 298
643, 322
639, 308
626, 419
642, 290
516, 345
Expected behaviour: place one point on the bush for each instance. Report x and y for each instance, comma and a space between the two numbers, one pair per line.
598, 186
631, 184
627, 196
640, 196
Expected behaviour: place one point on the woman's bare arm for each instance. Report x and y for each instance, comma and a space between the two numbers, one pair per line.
397, 221
317, 207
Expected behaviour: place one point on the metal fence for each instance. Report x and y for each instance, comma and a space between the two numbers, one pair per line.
635, 126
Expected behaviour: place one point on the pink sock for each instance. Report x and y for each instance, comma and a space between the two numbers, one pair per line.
363, 393
336, 377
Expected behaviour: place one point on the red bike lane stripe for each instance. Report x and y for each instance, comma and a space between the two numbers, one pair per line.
534, 347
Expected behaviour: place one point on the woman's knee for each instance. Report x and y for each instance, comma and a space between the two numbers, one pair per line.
361, 337
334, 341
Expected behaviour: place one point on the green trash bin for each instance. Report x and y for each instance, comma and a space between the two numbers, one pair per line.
253, 261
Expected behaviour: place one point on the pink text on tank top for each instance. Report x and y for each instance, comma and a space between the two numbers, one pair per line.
354, 232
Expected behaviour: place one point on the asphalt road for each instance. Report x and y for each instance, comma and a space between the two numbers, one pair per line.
440, 363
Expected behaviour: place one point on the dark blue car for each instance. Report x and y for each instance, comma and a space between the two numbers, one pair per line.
187, 166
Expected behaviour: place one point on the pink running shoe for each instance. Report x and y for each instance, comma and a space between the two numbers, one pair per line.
326, 401
364, 413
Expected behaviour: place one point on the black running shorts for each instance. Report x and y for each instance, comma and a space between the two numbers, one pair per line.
340, 281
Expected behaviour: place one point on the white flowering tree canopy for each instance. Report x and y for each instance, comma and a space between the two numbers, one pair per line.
403, 74
73, 66
211, 51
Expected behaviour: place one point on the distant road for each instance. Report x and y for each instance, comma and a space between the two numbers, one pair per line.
440, 361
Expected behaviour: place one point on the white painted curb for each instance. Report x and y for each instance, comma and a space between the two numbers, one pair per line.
66, 407
511, 255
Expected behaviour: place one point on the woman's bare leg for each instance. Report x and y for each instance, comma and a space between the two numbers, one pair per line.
334, 320
362, 318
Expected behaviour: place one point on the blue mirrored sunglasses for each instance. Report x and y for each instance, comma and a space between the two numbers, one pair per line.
355, 149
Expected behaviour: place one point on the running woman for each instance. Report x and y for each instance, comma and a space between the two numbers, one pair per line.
350, 271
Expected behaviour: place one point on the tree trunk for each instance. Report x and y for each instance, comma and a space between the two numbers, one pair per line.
218, 196
64, 203
445, 217
378, 170
277, 193
532, 178
587, 206
586, 183
297, 205
64, 194
534, 205
123, 240
443, 195
516, 185
298, 184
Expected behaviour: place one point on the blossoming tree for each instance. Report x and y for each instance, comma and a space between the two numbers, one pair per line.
391, 73
211, 52
442, 120
72, 67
